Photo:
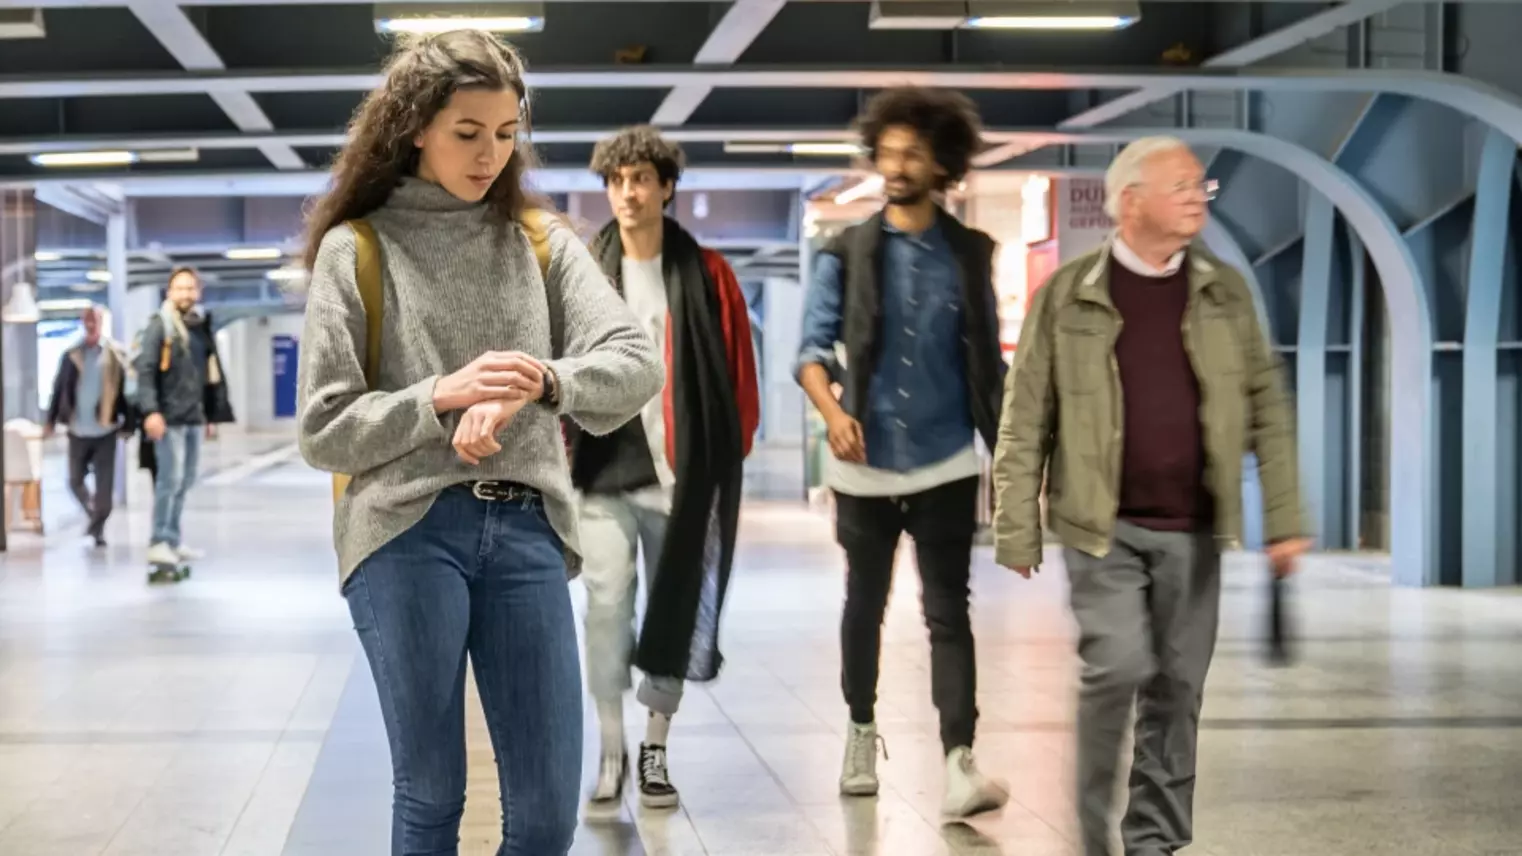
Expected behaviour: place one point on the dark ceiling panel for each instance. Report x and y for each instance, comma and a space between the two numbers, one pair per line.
322, 35
29, 117
598, 108
583, 33
1008, 108
87, 40
144, 113
571, 155
830, 108
317, 158
309, 111
837, 34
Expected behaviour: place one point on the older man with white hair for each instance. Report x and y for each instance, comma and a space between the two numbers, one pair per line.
1143, 377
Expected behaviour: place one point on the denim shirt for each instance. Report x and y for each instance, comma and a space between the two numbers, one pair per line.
87, 396
918, 412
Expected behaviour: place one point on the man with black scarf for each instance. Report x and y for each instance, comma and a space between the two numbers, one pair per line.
907, 297
668, 483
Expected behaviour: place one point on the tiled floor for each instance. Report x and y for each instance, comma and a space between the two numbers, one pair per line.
230, 714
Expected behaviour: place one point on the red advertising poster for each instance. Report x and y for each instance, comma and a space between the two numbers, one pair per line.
1040, 262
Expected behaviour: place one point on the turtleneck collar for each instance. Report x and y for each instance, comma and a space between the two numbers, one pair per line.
417, 194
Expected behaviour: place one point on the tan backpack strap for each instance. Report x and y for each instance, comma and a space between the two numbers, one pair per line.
367, 275
536, 224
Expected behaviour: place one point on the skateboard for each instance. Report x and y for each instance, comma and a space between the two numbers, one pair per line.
167, 573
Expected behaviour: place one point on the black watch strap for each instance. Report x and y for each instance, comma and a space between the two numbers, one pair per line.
551, 388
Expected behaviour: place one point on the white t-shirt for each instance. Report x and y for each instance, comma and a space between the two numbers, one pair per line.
645, 292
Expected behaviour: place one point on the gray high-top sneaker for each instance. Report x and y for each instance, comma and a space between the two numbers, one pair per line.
858, 774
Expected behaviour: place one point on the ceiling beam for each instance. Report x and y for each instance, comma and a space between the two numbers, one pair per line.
308, 182
77, 4
740, 26
1417, 84
323, 139
173, 28
1256, 50
77, 201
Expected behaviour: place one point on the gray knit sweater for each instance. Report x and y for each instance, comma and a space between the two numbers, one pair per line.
456, 285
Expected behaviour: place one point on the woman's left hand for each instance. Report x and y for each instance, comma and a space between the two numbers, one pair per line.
476, 436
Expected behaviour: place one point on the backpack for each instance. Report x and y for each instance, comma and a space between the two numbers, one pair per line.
367, 275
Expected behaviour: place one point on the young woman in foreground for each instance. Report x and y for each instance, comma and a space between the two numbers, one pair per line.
451, 535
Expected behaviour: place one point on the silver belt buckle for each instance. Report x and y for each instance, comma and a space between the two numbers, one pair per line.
497, 491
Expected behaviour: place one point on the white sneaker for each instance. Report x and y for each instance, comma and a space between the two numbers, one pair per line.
968, 791
608, 794
187, 554
162, 554
858, 774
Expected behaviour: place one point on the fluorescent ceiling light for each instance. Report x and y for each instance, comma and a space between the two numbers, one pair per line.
1073, 22
65, 304
818, 147
287, 274
253, 253
169, 155
1003, 14
838, 149
443, 17
1052, 14
109, 158
45, 256
98, 275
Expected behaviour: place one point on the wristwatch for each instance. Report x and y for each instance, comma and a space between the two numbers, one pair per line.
551, 394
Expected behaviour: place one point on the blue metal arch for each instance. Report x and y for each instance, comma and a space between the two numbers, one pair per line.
1489, 513
1224, 244
1413, 517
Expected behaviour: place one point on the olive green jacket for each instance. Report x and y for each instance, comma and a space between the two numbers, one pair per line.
1062, 419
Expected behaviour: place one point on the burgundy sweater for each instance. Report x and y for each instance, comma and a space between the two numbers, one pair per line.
1163, 459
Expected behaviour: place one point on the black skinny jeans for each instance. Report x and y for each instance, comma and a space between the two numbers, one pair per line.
942, 522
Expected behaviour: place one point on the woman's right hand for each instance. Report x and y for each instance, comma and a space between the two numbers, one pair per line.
494, 375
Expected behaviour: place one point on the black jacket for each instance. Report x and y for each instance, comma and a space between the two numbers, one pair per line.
114, 403
859, 248
182, 378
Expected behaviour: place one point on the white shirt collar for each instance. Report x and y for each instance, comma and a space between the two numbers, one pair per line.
1134, 263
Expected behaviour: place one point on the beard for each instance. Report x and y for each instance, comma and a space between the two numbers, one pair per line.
911, 195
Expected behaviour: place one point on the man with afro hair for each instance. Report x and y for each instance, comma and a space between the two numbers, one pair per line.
901, 315
667, 483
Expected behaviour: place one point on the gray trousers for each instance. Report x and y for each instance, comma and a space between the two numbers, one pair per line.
93, 455
1147, 615
615, 529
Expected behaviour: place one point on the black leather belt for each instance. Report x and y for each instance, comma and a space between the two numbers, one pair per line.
502, 491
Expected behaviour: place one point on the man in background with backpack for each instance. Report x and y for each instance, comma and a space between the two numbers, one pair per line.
669, 481
180, 391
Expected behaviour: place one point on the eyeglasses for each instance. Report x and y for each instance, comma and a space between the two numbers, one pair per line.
1209, 188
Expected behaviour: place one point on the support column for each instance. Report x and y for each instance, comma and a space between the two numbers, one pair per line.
18, 264
1312, 406
1490, 487
18, 342
116, 305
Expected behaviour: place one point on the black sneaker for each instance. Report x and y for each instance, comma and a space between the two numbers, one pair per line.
655, 790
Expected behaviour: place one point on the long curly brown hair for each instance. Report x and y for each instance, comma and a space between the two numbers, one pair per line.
421, 76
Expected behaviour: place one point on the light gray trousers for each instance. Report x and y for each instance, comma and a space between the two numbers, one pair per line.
615, 529
1147, 615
